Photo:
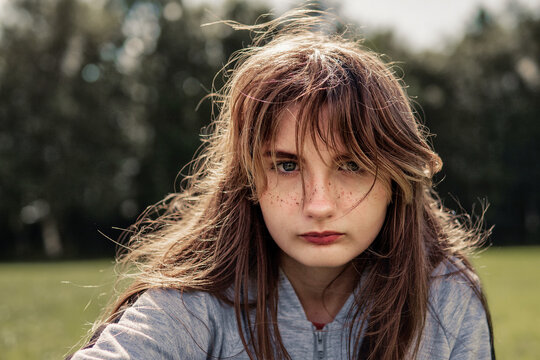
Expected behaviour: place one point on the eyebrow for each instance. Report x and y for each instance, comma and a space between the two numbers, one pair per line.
287, 155
281, 155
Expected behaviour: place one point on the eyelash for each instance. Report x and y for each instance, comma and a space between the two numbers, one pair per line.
345, 167
279, 166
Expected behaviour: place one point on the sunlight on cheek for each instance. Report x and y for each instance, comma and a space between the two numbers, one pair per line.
348, 194
280, 192
347, 191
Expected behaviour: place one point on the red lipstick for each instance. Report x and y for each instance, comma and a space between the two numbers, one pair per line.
321, 238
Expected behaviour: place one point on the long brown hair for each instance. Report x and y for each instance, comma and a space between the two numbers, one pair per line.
211, 236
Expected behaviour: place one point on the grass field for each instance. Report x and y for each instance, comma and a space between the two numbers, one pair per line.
47, 308
511, 279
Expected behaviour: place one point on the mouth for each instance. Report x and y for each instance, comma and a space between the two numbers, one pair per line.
321, 238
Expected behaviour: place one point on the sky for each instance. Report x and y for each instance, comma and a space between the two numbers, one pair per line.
423, 24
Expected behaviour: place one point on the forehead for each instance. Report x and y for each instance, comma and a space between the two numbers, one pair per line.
286, 127
290, 130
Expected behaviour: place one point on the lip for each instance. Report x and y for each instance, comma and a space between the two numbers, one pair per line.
321, 238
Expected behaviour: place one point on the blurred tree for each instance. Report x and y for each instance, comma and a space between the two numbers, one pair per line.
97, 113
60, 135
175, 77
482, 100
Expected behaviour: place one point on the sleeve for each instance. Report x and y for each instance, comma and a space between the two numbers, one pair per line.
161, 324
460, 316
472, 339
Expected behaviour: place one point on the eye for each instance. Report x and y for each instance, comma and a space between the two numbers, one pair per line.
350, 166
287, 166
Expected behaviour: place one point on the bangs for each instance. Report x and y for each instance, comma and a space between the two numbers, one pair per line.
328, 110
342, 97
327, 124
331, 118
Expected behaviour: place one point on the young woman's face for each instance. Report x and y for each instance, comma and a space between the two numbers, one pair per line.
337, 214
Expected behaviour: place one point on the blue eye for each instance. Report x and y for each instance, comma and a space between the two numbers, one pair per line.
287, 166
350, 166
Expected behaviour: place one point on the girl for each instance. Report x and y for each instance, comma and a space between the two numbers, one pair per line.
309, 228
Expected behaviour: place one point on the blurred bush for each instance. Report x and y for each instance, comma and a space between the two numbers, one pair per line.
481, 99
98, 114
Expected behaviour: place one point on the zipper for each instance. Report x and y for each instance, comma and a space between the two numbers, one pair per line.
319, 339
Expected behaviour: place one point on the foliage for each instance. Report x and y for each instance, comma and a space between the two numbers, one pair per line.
98, 114
99, 110
480, 97
484, 107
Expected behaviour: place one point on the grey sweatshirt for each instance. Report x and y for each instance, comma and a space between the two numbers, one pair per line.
167, 324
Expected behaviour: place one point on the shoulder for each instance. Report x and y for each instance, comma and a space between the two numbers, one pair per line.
456, 322
451, 279
159, 324
452, 284
177, 304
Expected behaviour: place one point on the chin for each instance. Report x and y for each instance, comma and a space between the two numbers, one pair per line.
325, 263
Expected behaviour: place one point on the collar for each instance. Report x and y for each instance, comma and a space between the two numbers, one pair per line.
290, 310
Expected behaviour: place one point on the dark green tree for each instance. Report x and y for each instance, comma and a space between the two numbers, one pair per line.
98, 114
61, 138
481, 99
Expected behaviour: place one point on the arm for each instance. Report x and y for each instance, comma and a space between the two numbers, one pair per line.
161, 324
456, 325
473, 339
460, 314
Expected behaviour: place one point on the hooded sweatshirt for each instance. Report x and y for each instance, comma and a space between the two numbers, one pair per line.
169, 324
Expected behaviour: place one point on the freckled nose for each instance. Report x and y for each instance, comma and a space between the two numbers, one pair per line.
319, 200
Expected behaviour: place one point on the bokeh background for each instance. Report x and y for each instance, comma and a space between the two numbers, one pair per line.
101, 105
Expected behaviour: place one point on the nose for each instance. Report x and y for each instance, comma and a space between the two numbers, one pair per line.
319, 199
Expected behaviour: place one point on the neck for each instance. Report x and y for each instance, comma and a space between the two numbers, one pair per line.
321, 291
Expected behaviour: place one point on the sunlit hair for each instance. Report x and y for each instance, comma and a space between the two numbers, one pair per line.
211, 235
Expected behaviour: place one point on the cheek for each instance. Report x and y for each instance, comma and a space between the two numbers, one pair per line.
370, 209
352, 192
278, 209
381, 194
279, 193
278, 201
376, 205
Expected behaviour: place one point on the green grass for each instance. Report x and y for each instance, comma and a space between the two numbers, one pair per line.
511, 279
47, 308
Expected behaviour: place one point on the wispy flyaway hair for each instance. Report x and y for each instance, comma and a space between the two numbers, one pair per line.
211, 235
